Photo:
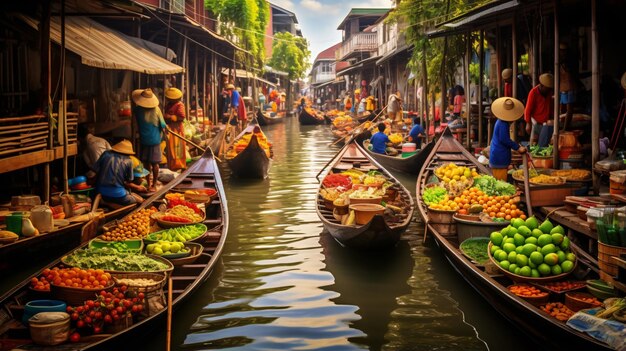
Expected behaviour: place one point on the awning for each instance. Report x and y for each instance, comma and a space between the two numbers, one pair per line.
103, 47
375, 82
360, 64
245, 74
391, 54
332, 81
474, 18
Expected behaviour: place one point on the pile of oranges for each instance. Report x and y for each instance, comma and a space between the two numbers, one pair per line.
504, 207
71, 277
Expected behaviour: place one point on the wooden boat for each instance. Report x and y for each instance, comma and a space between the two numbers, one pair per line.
411, 164
186, 278
36, 248
309, 116
253, 161
522, 314
377, 233
266, 118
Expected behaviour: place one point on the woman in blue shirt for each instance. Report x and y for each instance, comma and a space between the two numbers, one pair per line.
416, 132
506, 109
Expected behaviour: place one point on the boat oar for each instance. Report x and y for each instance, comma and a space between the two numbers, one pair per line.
169, 313
526, 185
192, 143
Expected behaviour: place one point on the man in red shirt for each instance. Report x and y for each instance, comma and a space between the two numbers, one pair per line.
507, 73
539, 111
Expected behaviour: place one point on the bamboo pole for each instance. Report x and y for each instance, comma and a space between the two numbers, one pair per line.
513, 130
468, 106
481, 70
595, 94
425, 90
205, 102
168, 345
557, 80
63, 109
46, 85
195, 78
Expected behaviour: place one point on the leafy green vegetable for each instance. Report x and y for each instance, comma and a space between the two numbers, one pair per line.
493, 187
476, 249
113, 260
536, 150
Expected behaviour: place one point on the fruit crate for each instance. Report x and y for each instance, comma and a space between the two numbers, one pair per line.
550, 195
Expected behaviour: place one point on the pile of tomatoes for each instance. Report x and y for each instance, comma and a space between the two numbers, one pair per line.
106, 309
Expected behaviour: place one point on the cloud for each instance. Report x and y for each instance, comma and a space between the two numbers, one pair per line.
317, 6
372, 4
286, 4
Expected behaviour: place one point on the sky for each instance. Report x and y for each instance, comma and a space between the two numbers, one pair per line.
319, 19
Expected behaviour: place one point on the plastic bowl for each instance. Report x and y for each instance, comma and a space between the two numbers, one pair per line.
365, 212
33, 307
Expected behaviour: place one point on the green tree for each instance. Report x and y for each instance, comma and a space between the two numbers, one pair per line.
290, 54
245, 19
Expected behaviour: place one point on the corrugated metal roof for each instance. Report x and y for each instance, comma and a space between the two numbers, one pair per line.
363, 12
103, 47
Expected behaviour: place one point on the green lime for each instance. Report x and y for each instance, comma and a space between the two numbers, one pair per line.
550, 248
512, 257
531, 240
567, 266
532, 223
500, 255
508, 247
544, 240
544, 269
496, 238
557, 238
536, 258
525, 271
512, 267
521, 260
495, 248
524, 231
534, 273
558, 229
528, 249
505, 264
556, 270
551, 259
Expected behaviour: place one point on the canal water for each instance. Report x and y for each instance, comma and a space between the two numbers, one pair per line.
283, 283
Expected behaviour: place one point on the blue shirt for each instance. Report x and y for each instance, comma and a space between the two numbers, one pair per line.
234, 99
379, 142
149, 134
113, 170
501, 145
414, 134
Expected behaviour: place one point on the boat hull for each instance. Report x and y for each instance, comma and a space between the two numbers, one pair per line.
307, 119
377, 233
265, 120
411, 165
252, 162
524, 316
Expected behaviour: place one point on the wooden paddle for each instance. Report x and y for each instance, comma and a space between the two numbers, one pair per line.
192, 143
526, 185
169, 313
360, 125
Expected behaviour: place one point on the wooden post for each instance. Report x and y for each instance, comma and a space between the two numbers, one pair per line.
195, 78
425, 90
185, 86
481, 70
595, 94
205, 101
514, 76
46, 102
535, 56
468, 106
557, 80
63, 111
444, 105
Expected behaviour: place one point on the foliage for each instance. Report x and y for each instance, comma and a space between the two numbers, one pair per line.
245, 19
422, 17
290, 54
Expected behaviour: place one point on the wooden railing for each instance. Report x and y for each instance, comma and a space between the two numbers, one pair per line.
357, 43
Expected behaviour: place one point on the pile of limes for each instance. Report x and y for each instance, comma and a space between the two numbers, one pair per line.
530, 249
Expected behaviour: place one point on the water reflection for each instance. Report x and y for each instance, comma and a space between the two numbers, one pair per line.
285, 284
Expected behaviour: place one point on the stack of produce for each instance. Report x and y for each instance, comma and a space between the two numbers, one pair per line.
462, 189
179, 214
179, 234
71, 277
243, 142
529, 249
105, 310
166, 248
396, 138
343, 122
113, 260
135, 226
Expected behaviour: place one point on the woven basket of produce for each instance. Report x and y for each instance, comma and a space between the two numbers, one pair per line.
577, 301
543, 179
530, 293
140, 281
76, 296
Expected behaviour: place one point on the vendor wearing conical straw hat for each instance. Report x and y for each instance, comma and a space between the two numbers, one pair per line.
506, 109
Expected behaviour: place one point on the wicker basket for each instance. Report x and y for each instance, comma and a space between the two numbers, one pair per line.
574, 302
534, 300
76, 296
151, 292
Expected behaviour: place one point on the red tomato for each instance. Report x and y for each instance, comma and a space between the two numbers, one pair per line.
75, 337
